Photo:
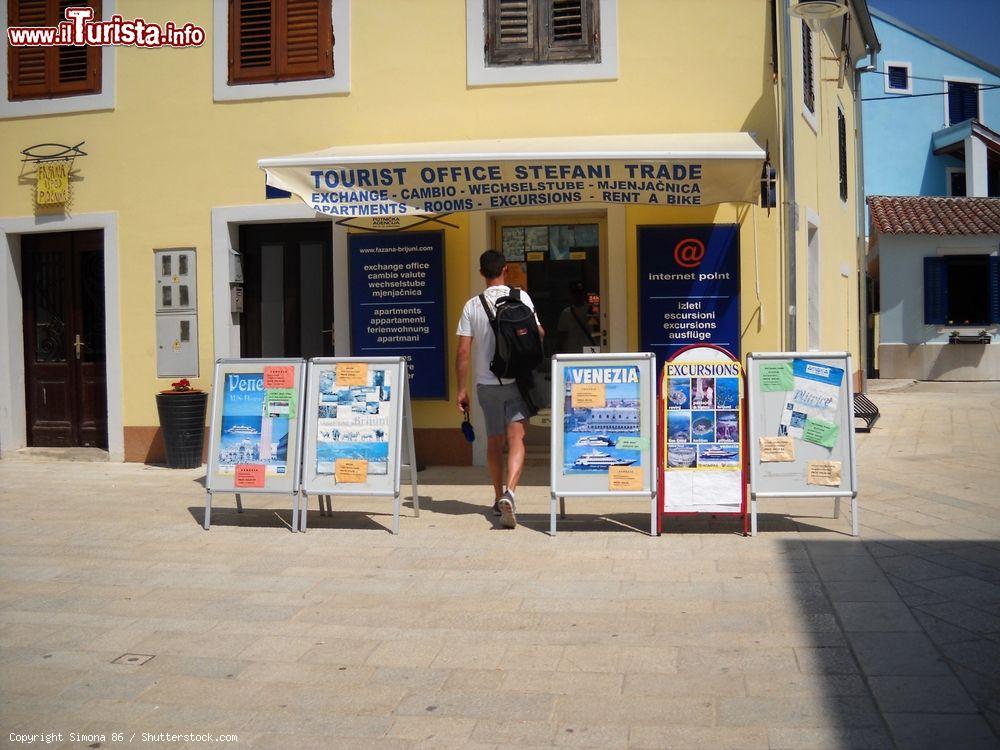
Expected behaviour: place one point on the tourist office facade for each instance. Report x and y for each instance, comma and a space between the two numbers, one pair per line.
295, 186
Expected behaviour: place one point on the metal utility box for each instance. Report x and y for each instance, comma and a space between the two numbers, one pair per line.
176, 312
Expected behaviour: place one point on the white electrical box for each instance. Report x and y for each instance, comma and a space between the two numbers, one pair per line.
176, 312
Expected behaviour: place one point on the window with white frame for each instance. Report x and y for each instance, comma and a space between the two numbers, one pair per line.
898, 78
956, 182
264, 49
541, 41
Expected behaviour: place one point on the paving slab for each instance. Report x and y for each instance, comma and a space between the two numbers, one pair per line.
456, 634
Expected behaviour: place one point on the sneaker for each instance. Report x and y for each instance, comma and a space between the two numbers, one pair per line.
496, 509
507, 517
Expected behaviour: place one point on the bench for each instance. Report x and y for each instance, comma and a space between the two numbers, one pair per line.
865, 409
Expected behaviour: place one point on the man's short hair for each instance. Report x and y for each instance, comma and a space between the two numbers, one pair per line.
491, 264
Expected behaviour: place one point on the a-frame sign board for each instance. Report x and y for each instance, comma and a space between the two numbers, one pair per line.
358, 432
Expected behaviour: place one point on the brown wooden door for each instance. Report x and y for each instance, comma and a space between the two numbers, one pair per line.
64, 342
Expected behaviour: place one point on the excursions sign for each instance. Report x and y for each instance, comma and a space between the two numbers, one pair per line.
689, 288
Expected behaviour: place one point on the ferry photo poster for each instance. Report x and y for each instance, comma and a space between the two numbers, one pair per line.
354, 421
703, 419
602, 419
254, 428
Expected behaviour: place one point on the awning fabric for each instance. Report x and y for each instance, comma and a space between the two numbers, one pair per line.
688, 169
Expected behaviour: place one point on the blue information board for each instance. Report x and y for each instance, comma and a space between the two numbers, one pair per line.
397, 304
689, 288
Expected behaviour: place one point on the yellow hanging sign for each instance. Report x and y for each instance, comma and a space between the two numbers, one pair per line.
53, 183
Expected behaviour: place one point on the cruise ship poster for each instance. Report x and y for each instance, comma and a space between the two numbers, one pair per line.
247, 437
718, 455
591, 435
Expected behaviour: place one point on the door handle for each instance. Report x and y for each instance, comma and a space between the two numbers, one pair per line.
78, 344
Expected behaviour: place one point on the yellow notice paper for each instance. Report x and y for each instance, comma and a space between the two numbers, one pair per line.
824, 473
587, 396
624, 478
352, 373
351, 470
776, 449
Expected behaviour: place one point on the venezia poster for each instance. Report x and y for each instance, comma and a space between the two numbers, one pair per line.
601, 423
353, 421
254, 427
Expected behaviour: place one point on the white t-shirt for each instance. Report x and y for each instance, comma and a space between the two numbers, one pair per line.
475, 323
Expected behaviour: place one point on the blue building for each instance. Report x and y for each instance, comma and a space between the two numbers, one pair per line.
929, 117
931, 165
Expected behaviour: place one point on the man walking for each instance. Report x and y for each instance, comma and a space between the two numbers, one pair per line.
504, 408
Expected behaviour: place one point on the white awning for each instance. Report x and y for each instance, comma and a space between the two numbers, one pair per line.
683, 169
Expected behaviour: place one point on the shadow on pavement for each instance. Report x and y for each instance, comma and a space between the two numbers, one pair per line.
906, 639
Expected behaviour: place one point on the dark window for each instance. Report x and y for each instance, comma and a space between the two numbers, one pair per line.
899, 78
279, 40
542, 31
963, 101
956, 182
46, 72
808, 82
842, 148
962, 290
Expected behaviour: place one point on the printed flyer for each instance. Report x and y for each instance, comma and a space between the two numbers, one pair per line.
814, 397
703, 418
254, 425
353, 422
602, 419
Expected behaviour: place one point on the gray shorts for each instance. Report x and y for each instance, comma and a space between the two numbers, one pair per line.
502, 404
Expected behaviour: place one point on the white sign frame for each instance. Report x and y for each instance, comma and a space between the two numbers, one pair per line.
219, 483
584, 485
387, 485
780, 479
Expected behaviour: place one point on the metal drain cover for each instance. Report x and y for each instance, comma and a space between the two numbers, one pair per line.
135, 660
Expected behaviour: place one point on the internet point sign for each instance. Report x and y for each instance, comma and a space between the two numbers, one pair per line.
689, 286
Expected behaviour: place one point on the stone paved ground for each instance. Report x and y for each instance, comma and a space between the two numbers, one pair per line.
457, 634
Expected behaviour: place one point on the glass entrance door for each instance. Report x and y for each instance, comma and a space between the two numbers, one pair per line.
559, 261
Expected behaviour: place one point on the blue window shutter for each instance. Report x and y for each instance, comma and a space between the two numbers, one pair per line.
935, 290
897, 77
963, 101
994, 289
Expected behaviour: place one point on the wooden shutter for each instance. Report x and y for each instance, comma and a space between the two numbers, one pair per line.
76, 70
511, 31
935, 290
842, 148
808, 83
306, 40
43, 72
994, 289
279, 40
251, 41
569, 31
28, 66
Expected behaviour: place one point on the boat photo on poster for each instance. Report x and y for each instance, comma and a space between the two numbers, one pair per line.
601, 422
253, 431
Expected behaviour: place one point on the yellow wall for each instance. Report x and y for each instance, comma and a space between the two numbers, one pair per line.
168, 153
817, 189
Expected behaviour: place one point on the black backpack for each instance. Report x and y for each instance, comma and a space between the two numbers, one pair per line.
518, 348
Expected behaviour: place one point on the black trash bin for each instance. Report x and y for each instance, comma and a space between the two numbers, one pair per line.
182, 419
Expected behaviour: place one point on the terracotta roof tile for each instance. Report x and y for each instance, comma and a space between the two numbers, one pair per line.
942, 216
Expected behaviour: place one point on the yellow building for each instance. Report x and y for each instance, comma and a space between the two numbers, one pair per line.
138, 278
